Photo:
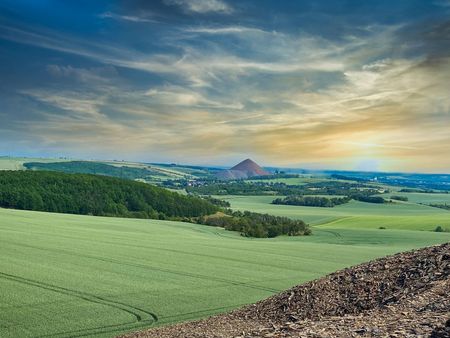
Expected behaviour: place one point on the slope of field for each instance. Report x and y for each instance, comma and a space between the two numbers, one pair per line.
154, 174
405, 295
98, 168
424, 198
354, 215
16, 163
70, 275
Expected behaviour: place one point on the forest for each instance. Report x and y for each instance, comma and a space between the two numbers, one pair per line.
95, 195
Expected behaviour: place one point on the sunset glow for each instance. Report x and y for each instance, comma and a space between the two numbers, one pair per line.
317, 84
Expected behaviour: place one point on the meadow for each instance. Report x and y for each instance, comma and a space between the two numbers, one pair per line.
70, 275
424, 198
156, 175
355, 214
16, 163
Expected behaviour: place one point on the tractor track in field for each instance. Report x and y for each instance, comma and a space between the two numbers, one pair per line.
157, 249
148, 267
334, 233
403, 295
142, 317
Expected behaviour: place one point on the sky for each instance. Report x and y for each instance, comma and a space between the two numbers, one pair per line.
357, 85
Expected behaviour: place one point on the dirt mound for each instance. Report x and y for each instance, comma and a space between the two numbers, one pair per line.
250, 167
244, 169
231, 175
404, 295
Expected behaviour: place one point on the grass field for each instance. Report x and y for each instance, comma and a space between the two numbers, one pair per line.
353, 215
424, 198
16, 163
69, 275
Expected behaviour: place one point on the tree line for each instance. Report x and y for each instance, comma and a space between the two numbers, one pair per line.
399, 198
312, 201
366, 197
95, 195
251, 224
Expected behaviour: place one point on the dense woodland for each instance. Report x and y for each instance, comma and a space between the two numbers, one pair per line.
95, 195
109, 196
97, 168
251, 224
312, 201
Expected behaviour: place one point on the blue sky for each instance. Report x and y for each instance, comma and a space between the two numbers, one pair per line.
319, 84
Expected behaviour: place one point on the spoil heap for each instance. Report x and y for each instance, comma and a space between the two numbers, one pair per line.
242, 170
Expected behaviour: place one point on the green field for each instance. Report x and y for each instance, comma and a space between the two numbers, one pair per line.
353, 215
16, 163
424, 198
70, 275
161, 173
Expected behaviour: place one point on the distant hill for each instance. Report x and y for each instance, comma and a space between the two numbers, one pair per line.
96, 168
242, 170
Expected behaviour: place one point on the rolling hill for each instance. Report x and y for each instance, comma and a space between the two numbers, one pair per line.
67, 275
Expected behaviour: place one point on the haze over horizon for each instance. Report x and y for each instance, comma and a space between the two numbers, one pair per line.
314, 84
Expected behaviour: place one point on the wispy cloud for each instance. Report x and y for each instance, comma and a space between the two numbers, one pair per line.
225, 30
240, 88
131, 18
84, 75
202, 6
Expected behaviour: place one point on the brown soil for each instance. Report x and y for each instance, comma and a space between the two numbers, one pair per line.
405, 295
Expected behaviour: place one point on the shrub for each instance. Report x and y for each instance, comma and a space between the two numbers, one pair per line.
399, 198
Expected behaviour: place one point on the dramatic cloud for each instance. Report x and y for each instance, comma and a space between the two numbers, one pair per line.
199, 89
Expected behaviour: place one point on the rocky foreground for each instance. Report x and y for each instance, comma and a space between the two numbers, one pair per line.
405, 295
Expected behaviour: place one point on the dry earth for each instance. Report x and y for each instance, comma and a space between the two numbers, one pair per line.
405, 295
